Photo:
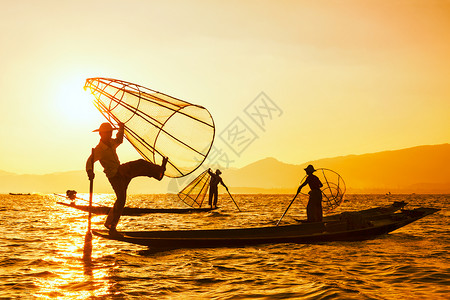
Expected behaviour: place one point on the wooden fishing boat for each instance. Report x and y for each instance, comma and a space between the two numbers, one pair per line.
136, 211
369, 213
343, 227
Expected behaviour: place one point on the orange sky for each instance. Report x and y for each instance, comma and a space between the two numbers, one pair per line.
350, 77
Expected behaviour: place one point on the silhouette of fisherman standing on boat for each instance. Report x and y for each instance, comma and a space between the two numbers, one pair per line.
119, 175
213, 187
314, 207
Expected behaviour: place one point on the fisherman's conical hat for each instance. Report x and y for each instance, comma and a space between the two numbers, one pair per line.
104, 127
310, 169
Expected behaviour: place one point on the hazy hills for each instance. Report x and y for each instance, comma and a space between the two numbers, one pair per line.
422, 169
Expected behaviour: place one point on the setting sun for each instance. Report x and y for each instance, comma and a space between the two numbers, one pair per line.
73, 102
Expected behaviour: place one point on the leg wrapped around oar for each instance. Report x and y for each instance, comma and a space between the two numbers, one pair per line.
120, 182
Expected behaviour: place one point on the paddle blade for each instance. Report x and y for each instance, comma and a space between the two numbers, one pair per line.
87, 250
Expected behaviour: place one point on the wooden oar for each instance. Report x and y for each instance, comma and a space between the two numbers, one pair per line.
233, 200
287, 209
88, 238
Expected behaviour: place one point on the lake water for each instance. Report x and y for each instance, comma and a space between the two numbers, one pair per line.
42, 247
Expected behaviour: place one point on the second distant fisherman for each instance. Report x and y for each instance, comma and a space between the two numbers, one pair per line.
213, 187
119, 175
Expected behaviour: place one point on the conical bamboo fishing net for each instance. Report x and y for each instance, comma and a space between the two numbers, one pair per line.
157, 125
333, 189
195, 192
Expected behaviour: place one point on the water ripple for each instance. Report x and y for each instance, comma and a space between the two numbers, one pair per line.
42, 245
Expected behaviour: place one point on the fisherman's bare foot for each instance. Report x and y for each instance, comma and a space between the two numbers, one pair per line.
163, 166
164, 162
114, 232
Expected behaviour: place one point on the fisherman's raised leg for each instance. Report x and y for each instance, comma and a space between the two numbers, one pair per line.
142, 167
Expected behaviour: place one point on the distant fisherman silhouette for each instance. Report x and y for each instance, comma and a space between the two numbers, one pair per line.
72, 195
213, 187
314, 207
119, 175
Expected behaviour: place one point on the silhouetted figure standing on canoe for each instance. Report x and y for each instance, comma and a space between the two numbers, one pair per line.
314, 207
119, 175
213, 187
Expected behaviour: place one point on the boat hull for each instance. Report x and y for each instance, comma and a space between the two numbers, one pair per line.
334, 230
136, 211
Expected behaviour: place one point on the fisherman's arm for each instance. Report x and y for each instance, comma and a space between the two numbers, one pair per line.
223, 183
320, 182
302, 185
89, 169
119, 135
90, 164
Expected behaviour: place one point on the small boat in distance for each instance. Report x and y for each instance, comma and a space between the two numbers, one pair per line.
136, 211
351, 226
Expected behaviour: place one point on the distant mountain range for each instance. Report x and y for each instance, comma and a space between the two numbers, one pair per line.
422, 169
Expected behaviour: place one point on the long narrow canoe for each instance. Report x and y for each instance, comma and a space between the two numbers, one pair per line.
370, 213
136, 211
348, 228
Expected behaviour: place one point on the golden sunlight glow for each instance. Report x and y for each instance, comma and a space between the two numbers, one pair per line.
76, 279
73, 102
351, 77
72, 277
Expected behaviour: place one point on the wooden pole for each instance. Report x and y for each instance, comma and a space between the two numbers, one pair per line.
287, 209
87, 252
233, 200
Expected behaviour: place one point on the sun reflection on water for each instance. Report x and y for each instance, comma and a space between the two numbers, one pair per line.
42, 247
74, 282
75, 278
